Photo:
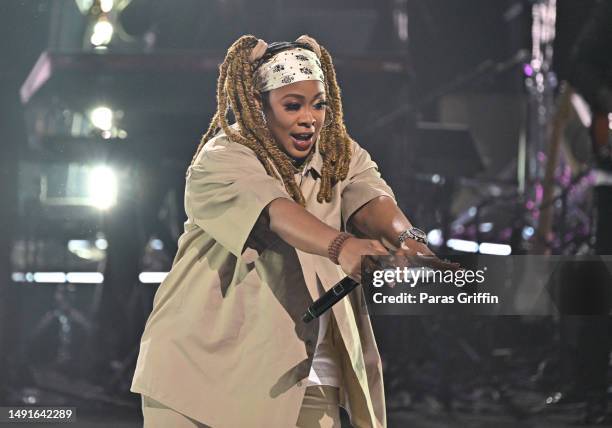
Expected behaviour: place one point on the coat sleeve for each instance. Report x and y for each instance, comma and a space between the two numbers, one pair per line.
226, 190
363, 183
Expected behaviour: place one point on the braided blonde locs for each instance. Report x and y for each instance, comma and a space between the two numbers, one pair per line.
335, 143
236, 92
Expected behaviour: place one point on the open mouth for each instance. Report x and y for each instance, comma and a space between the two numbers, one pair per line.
303, 140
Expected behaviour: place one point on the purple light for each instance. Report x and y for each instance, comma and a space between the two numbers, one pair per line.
506, 233
528, 70
539, 192
541, 156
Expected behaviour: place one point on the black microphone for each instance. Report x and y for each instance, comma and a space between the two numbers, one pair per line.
329, 299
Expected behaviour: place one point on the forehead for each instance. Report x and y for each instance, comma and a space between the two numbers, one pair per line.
306, 88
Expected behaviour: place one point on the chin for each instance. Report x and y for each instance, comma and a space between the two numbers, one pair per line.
296, 154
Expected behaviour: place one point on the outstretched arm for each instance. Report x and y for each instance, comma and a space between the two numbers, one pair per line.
302, 230
381, 219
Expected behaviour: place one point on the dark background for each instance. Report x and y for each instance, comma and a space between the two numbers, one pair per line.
166, 112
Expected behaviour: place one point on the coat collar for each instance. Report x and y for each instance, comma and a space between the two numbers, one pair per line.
315, 162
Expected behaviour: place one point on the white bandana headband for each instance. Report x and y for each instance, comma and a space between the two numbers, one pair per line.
286, 67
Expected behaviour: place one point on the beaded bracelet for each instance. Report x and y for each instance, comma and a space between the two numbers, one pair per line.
334, 248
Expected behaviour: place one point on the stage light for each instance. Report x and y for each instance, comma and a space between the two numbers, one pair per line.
50, 277
156, 244
85, 249
485, 227
462, 245
101, 244
102, 33
152, 277
18, 277
527, 232
102, 187
495, 249
106, 5
434, 237
85, 277
102, 118
75, 245
80, 248
59, 277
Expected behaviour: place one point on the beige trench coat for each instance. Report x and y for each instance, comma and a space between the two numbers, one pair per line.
225, 343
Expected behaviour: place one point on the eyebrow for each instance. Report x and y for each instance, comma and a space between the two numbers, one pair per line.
302, 96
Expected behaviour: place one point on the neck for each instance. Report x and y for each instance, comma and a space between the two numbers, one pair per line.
299, 162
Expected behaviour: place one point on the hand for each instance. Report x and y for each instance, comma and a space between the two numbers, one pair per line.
353, 249
417, 253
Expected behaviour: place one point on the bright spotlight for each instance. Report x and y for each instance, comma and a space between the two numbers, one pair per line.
106, 5
156, 244
434, 237
527, 232
102, 187
101, 243
462, 245
85, 277
102, 118
495, 249
102, 33
50, 277
152, 277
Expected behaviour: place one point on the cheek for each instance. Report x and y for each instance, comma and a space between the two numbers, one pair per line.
282, 122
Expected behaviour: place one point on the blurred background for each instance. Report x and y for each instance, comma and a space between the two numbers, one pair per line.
464, 105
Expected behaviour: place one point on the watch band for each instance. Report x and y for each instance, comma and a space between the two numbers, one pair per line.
413, 233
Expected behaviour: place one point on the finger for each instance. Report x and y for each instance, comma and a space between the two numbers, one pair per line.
378, 247
419, 248
356, 277
409, 251
424, 250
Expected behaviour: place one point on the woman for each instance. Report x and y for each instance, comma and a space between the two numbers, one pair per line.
267, 198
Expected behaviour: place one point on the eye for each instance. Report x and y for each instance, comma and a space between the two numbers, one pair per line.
292, 107
321, 105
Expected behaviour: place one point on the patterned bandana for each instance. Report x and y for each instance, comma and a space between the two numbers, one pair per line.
293, 65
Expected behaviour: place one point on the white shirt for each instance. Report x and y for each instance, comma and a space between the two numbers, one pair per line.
325, 368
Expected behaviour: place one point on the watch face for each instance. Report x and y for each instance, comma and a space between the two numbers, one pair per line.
418, 232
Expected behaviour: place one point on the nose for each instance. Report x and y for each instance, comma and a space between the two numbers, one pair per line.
307, 119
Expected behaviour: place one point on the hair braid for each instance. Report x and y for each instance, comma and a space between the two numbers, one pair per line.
335, 144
